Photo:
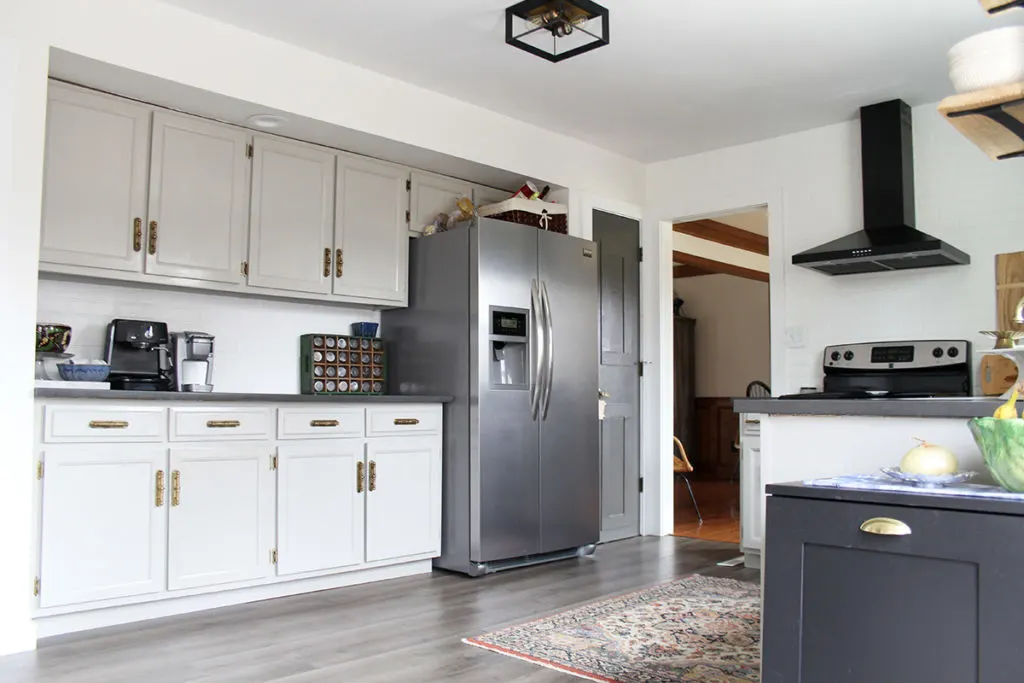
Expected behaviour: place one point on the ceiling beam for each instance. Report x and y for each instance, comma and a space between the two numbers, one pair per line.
688, 271
713, 231
710, 266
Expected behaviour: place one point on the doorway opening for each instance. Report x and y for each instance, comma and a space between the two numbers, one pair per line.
721, 351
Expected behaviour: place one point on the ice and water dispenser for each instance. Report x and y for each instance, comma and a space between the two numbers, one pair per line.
510, 348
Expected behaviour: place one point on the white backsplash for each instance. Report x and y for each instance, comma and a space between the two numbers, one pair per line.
257, 346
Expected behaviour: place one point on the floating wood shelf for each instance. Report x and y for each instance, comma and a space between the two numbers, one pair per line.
996, 6
993, 119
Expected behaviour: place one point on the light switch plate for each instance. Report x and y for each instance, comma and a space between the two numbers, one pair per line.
795, 337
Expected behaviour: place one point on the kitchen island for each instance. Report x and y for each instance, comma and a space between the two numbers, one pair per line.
785, 440
157, 503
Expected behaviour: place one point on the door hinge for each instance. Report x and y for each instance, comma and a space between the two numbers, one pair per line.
39, 469
273, 556
35, 587
273, 462
641, 484
640, 368
408, 185
245, 268
250, 151
640, 253
408, 216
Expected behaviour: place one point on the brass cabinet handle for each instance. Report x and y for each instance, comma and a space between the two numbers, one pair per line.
152, 238
339, 263
222, 424
137, 234
324, 423
175, 488
327, 262
373, 475
885, 526
360, 476
159, 488
108, 424
406, 421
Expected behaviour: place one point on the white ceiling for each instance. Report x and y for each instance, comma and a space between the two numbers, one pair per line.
679, 77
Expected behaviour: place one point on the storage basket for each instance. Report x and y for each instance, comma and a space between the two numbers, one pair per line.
532, 212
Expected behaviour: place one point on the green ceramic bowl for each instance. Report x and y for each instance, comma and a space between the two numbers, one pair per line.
1002, 445
52, 338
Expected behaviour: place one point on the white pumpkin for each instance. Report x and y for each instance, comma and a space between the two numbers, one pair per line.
927, 458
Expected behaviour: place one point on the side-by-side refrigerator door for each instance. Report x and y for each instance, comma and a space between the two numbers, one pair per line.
505, 470
569, 427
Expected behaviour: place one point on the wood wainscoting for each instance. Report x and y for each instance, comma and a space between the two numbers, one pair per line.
717, 431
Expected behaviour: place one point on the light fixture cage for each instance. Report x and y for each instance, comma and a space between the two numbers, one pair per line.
556, 29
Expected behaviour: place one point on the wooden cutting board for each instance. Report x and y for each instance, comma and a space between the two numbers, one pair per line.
998, 373
1009, 288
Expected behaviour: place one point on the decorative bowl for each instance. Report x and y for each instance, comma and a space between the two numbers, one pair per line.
928, 481
83, 372
1001, 443
52, 337
1005, 339
988, 59
364, 329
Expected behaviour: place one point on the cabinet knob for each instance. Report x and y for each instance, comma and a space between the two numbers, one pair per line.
406, 421
108, 424
223, 424
324, 423
885, 526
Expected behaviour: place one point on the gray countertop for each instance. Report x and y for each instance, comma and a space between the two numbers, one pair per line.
107, 394
961, 407
923, 499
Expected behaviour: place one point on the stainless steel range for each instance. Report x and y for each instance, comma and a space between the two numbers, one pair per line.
896, 369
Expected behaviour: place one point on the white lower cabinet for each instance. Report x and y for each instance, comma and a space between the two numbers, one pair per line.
103, 531
221, 525
320, 505
403, 500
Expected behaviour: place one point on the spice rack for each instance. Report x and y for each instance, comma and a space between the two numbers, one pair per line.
338, 364
993, 119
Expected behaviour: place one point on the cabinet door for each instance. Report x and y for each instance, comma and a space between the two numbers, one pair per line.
199, 189
751, 494
221, 515
94, 187
371, 237
291, 216
320, 505
104, 527
403, 500
434, 194
482, 196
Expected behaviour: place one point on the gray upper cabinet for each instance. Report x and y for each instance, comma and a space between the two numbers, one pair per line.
371, 239
94, 189
434, 194
199, 189
291, 216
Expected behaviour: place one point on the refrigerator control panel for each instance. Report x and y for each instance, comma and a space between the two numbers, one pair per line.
505, 323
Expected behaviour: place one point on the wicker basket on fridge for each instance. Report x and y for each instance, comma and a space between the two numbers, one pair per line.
532, 212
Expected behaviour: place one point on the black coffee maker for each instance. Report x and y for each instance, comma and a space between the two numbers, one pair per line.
137, 354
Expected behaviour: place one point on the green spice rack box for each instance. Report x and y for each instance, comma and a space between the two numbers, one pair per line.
340, 364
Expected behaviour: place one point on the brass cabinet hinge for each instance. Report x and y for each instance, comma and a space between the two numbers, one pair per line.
408, 185
408, 216
244, 268
273, 462
273, 556
39, 469
35, 587
249, 151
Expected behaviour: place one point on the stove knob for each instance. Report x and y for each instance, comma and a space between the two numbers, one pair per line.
834, 356
953, 352
937, 352
848, 355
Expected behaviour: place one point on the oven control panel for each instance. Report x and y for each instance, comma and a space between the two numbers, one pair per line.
898, 355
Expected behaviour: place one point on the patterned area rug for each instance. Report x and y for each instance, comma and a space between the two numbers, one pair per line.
698, 628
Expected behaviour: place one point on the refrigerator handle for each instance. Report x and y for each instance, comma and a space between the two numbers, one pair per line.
536, 349
549, 352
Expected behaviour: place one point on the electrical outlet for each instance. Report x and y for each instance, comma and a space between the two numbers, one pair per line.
795, 337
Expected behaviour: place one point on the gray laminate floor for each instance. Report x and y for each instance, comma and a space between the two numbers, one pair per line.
402, 630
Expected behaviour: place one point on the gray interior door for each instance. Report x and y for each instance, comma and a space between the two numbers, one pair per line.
619, 247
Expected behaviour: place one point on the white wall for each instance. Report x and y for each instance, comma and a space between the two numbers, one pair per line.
257, 345
732, 341
811, 182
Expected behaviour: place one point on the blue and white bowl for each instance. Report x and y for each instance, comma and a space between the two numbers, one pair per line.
83, 372
928, 481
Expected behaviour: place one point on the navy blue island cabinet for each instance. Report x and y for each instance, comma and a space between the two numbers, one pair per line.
876, 587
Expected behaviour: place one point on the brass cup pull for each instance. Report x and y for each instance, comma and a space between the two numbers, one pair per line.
160, 488
108, 424
137, 234
360, 476
885, 526
152, 238
373, 475
406, 421
324, 423
339, 263
175, 488
223, 424
327, 262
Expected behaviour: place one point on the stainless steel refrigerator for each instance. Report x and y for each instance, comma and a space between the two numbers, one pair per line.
504, 318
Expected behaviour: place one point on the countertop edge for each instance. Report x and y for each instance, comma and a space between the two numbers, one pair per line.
173, 396
828, 493
965, 408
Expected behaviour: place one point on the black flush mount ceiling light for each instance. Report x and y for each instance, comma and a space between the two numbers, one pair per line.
556, 29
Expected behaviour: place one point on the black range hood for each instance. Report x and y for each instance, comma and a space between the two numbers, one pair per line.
889, 240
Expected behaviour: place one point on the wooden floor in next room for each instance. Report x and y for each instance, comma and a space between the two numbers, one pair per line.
402, 630
719, 503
